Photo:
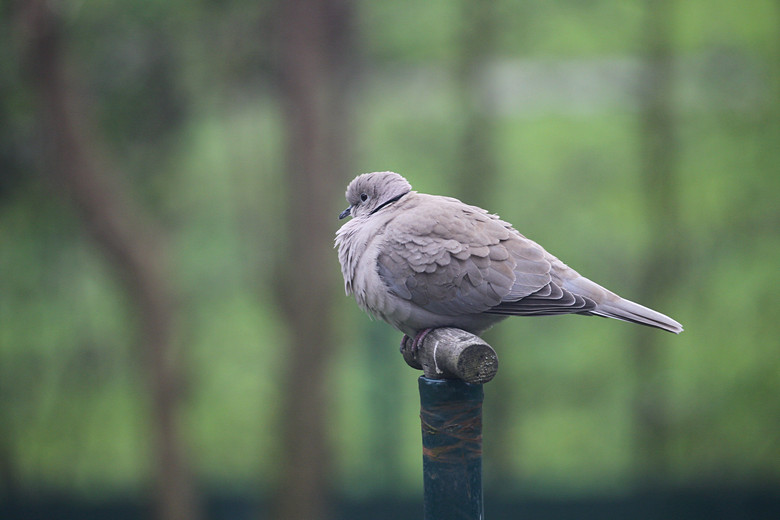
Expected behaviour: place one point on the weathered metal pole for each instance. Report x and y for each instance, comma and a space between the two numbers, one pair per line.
451, 417
455, 364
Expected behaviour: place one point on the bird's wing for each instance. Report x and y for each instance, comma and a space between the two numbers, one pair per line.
453, 259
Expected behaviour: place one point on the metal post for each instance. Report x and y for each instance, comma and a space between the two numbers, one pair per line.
451, 416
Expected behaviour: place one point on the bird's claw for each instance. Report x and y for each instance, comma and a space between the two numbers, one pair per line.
416, 343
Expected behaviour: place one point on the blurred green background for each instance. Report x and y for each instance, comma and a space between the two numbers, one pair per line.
637, 141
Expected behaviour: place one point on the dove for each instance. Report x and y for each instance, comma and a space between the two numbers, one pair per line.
421, 262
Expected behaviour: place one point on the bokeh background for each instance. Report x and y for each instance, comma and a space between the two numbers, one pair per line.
174, 338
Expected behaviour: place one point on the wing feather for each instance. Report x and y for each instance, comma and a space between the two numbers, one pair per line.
470, 262
467, 262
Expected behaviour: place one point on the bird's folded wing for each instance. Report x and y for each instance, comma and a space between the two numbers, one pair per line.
453, 259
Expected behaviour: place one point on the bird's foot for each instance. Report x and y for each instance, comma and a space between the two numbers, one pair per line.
403, 343
417, 342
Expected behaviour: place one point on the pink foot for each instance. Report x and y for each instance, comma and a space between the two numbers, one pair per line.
415, 343
418, 340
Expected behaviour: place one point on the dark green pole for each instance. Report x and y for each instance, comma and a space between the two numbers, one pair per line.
451, 416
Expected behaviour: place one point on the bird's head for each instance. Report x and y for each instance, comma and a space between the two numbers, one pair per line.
370, 192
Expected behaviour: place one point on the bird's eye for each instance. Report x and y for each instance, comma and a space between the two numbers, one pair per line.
363, 197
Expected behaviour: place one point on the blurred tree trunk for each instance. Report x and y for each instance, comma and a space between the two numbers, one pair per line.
130, 240
658, 156
315, 40
476, 165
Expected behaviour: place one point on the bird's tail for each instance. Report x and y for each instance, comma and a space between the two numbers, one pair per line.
626, 310
610, 305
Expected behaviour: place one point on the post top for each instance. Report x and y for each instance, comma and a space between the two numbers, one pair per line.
450, 353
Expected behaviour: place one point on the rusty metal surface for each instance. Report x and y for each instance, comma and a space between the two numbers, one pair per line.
451, 419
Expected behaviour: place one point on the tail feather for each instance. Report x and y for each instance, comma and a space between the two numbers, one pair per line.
610, 305
627, 310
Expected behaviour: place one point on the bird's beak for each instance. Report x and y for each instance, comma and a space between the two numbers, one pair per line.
347, 212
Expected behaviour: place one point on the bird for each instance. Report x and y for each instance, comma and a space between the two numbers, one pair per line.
421, 262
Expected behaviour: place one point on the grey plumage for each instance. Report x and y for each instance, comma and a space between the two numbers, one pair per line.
422, 261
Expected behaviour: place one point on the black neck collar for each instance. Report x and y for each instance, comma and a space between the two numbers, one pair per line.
394, 199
